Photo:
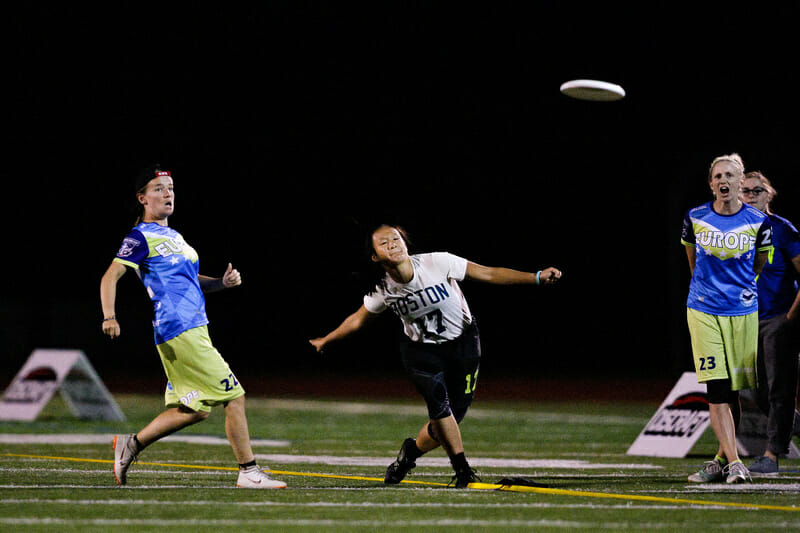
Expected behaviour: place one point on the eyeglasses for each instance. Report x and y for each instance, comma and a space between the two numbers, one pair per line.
754, 192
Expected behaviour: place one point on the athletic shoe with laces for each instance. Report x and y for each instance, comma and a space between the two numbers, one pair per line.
255, 478
737, 473
464, 478
125, 454
402, 465
764, 465
710, 473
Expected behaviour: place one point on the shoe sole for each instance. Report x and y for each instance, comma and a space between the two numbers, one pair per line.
262, 488
114, 468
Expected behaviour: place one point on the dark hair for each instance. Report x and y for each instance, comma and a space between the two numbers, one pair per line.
377, 276
145, 176
369, 247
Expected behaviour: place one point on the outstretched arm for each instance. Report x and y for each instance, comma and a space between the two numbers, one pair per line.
231, 278
351, 324
108, 298
507, 276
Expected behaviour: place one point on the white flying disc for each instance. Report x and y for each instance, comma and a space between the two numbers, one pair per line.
597, 91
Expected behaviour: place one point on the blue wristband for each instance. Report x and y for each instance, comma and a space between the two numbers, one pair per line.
537, 277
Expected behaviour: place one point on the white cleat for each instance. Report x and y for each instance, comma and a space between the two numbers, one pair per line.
124, 456
255, 478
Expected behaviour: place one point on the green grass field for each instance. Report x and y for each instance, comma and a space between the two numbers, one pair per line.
55, 474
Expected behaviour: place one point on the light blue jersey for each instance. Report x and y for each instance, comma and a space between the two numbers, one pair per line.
723, 282
169, 269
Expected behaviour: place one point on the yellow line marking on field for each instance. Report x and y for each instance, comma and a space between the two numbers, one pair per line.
477, 486
210, 467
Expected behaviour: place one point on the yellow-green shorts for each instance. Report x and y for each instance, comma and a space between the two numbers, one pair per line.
724, 347
199, 378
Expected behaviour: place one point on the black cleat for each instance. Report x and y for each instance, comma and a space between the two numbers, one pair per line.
402, 465
464, 478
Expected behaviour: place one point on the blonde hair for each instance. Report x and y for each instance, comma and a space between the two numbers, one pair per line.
731, 158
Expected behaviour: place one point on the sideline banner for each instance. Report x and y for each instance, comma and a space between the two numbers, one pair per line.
680, 420
683, 417
67, 371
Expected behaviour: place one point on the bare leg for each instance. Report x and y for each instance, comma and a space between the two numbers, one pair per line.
237, 430
448, 433
724, 428
169, 422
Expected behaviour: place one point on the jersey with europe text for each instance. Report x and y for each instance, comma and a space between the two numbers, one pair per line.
432, 307
169, 269
723, 282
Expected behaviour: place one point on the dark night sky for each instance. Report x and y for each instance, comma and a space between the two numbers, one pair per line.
291, 127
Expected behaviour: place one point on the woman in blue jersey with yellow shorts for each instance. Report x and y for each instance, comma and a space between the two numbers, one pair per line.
199, 378
727, 243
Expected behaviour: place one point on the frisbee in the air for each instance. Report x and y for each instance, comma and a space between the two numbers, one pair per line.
597, 91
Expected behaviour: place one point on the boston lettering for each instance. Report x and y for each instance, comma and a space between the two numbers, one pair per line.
419, 299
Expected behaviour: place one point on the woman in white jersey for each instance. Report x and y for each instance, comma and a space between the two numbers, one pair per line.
442, 353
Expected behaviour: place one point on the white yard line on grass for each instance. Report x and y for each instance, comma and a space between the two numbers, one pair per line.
389, 523
481, 462
387, 505
90, 438
361, 408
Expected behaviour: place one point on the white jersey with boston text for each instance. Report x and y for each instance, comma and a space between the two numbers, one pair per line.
432, 307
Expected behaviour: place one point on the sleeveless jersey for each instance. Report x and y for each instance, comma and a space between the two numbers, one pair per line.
723, 282
432, 307
169, 269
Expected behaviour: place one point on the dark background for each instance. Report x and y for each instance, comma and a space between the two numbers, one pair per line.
292, 127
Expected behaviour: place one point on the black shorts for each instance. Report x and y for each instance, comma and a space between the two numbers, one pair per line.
445, 374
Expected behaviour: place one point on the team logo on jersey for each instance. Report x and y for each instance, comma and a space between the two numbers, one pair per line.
127, 247
748, 297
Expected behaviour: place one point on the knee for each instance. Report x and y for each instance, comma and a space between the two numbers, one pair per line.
195, 416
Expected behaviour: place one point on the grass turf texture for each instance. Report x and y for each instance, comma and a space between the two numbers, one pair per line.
579, 449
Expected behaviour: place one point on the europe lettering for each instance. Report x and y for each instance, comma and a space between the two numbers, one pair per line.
729, 241
168, 247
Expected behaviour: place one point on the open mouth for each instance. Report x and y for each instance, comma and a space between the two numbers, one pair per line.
724, 189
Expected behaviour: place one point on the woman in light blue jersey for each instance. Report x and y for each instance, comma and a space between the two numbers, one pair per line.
199, 378
727, 244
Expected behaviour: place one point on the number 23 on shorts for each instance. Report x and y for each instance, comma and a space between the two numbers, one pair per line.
707, 363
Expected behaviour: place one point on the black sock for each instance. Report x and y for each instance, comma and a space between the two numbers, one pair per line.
413, 452
459, 462
245, 466
139, 446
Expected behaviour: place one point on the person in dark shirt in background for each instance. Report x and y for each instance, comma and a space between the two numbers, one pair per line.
778, 327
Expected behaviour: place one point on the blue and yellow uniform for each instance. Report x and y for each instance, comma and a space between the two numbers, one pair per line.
722, 302
777, 284
199, 377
